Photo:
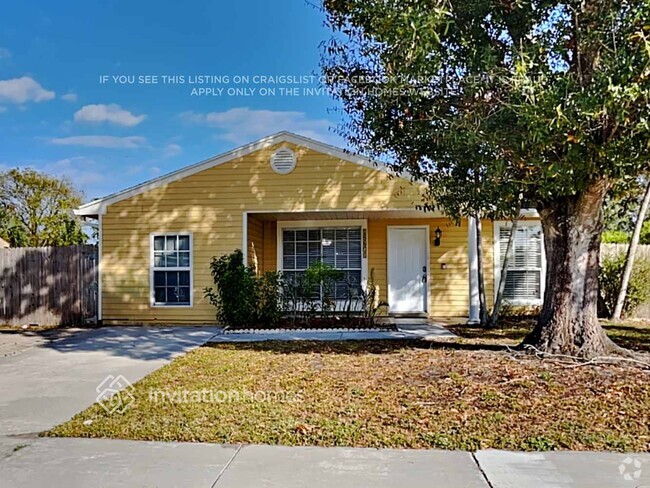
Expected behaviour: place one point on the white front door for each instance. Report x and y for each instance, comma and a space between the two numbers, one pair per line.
408, 269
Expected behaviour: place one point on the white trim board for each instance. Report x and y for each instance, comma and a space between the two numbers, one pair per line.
98, 207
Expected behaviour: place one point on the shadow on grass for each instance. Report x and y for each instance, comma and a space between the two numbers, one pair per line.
635, 338
512, 333
350, 347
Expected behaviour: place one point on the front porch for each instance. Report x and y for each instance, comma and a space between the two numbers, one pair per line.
416, 272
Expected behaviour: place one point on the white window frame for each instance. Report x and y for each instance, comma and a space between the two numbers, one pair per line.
152, 268
297, 224
498, 225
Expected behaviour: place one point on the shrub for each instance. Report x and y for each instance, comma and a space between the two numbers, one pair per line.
371, 306
302, 300
240, 296
611, 274
268, 295
302, 293
644, 238
615, 237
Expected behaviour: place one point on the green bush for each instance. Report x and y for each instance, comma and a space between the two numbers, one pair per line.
611, 274
302, 293
645, 233
242, 298
615, 237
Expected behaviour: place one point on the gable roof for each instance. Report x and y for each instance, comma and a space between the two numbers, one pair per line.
98, 206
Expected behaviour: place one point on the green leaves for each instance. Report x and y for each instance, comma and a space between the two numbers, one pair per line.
494, 102
37, 209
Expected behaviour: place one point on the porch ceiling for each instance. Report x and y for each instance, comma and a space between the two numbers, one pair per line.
345, 214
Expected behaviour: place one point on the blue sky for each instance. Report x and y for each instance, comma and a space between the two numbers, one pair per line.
57, 113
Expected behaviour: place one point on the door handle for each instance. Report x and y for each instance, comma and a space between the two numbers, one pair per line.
424, 269
424, 278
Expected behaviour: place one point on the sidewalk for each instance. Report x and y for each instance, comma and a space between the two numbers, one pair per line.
113, 463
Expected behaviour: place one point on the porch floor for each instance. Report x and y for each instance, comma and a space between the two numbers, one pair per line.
406, 329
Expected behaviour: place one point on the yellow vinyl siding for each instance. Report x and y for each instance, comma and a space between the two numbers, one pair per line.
448, 288
255, 243
210, 205
270, 246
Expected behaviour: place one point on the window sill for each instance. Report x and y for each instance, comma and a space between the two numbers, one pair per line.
162, 305
521, 302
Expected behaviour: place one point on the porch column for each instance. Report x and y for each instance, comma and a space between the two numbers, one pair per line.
473, 272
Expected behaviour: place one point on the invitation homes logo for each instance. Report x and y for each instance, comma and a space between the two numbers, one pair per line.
115, 394
224, 396
630, 469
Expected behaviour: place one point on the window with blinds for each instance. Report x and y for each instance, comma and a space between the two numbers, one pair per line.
524, 278
339, 247
171, 264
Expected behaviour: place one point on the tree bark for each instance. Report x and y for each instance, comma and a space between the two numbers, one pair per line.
631, 255
568, 323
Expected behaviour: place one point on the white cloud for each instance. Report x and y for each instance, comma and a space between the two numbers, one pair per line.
21, 90
172, 150
241, 125
86, 174
4, 53
82, 171
112, 113
111, 142
69, 97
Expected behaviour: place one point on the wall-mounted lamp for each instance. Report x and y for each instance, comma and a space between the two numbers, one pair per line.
438, 234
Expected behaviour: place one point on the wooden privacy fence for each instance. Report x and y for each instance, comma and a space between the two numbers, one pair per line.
48, 285
642, 252
607, 250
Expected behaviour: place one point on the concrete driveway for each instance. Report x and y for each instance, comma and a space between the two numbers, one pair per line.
47, 384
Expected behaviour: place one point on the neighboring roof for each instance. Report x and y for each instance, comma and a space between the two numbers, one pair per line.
98, 206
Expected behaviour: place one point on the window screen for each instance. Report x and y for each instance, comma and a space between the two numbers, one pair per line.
171, 255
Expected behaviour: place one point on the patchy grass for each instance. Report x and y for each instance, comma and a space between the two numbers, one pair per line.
400, 394
633, 334
28, 328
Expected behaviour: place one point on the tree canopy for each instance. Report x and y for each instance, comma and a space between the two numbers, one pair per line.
538, 101
37, 210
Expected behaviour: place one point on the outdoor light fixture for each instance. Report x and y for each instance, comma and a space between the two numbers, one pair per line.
438, 234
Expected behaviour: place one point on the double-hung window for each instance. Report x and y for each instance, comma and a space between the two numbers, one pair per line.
525, 277
171, 270
339, 247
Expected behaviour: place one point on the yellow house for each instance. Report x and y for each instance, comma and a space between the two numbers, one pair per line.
288, 201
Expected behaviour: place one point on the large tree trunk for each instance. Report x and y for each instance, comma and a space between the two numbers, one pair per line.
568, 323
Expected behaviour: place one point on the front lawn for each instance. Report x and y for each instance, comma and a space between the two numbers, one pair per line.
633, 334
381, 394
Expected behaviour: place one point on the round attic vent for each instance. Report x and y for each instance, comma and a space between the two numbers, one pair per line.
283, 161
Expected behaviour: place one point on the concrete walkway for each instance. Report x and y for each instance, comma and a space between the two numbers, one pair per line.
406, 329
113, 463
